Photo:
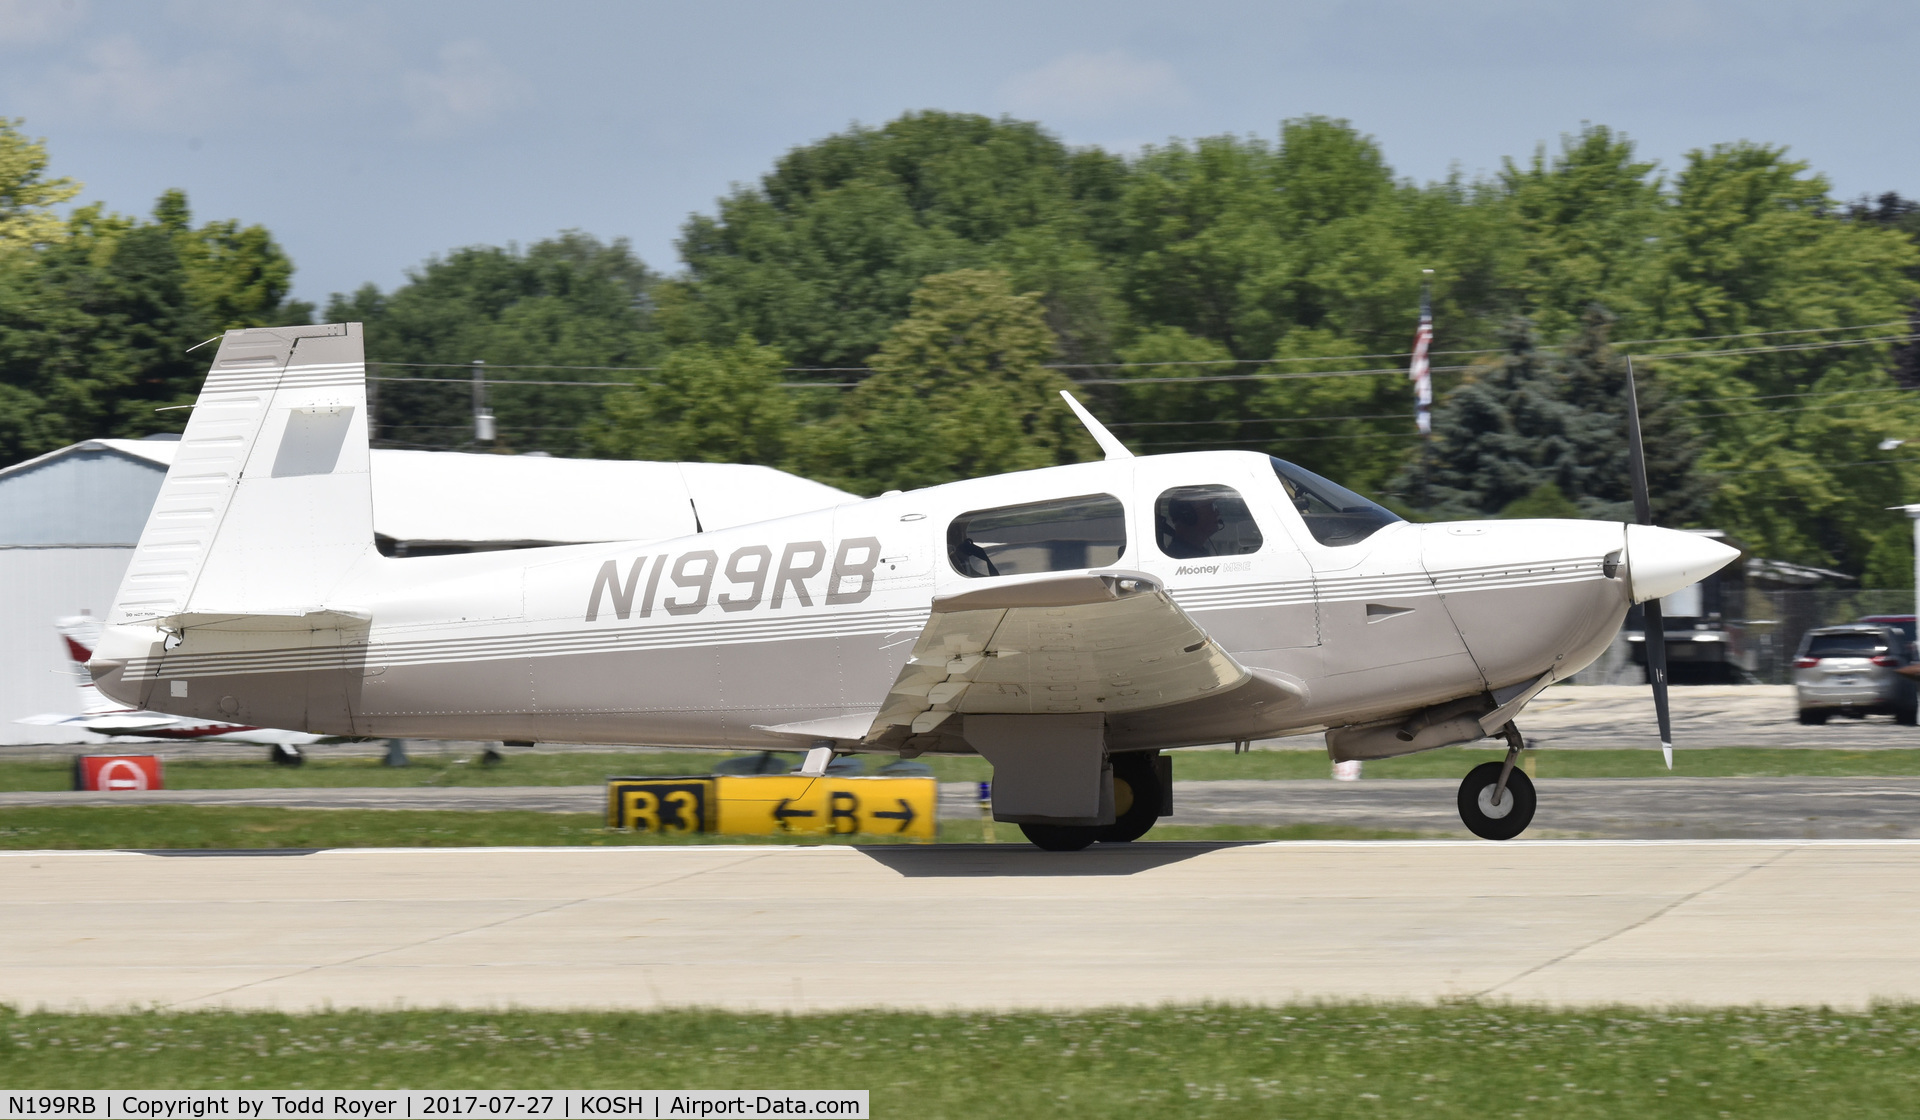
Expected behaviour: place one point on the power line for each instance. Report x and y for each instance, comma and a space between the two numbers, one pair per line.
1855, 463
1277, 440
1408, 416
1786, 347
1260, 420
467, 366
1783, 348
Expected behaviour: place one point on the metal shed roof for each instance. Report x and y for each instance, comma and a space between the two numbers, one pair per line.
99, 492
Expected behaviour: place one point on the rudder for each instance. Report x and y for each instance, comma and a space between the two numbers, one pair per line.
268, 503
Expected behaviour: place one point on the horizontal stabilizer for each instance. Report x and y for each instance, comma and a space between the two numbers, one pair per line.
52, 719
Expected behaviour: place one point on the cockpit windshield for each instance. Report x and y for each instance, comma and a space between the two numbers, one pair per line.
1334, 514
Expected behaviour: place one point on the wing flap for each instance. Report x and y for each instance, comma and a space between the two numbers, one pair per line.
1109, 642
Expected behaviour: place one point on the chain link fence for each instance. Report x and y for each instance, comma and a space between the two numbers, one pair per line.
1775, 620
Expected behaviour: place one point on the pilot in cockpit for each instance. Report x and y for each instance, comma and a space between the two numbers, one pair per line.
1191, 524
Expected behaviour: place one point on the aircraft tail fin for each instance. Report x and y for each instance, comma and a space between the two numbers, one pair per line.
268, 504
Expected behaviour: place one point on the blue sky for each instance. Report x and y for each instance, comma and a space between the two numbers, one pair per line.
368, 136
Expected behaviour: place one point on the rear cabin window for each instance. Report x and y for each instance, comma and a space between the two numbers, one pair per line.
1056, 536
1845, 645
1194, 521
1334, 514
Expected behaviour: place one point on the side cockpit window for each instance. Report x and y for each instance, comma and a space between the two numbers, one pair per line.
1056, 536
1193, 521
1334, 514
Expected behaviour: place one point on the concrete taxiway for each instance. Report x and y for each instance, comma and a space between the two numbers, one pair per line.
1624, 808
981, 926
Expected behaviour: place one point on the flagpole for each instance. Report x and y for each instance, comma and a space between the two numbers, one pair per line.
1420, 370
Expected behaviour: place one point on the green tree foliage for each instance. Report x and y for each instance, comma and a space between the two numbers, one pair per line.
568, 301
1241, 242
704, 404
1580, 224
1592, 379
1547, 430
1497, 439
822, 258
1546, 500
96, 323
1310, 250
1753, 243
958, 391
27, 196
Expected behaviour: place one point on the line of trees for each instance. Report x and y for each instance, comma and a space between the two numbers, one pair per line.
894, 306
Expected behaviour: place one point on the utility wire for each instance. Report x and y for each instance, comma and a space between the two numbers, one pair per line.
1855, 463
467, 366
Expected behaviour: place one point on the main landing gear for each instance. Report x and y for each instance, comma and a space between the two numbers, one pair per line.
1496, 800
1139, 790
285, 754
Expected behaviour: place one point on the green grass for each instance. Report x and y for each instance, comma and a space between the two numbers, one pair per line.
1454, 762
1302, 1062
1710, 762
229, 826
435, 766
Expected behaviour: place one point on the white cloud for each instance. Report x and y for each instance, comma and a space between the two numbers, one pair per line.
118, 79
468, 88
26, 22
1083, 86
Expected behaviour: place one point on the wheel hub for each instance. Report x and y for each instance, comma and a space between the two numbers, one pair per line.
1489, 809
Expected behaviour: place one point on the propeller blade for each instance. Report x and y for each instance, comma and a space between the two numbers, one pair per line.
1657, 675
1637, 455
1656, 631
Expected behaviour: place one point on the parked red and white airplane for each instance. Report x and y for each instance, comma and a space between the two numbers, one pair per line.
103, 716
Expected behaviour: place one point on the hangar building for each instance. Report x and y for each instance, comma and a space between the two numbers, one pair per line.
69, 521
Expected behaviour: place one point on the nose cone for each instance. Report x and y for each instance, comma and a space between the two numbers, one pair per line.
1662, 561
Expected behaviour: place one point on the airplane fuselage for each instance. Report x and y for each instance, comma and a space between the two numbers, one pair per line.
731, 638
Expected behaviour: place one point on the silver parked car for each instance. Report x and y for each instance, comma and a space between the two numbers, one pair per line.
1854, 671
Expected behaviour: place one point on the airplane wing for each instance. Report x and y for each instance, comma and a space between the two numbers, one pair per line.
1107, 641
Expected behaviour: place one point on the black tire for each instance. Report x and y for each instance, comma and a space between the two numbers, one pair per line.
1062, 837
1515, 811
281, 755
1136, 798
1813, 717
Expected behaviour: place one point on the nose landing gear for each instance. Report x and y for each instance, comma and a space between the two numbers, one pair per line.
1497, 801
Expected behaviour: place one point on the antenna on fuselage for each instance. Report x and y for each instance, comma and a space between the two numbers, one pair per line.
1113, 447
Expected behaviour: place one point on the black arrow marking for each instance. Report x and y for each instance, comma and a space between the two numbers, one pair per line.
904, 816
781, 812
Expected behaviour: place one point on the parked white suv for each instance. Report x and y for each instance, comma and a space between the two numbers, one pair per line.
1853, 671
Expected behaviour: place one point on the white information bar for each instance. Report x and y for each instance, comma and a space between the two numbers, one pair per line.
428, 1104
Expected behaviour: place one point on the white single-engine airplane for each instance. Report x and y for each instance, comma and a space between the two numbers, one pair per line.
1069, 624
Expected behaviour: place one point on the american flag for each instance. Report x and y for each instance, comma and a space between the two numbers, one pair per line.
1421, 370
